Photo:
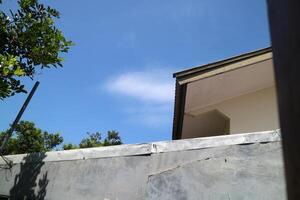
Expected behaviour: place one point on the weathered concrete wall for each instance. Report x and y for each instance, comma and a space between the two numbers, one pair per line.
246, 166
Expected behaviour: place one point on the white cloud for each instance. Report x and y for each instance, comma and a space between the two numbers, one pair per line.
154, 86
154, 89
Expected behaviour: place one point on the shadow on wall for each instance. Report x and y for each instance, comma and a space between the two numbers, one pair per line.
29, 183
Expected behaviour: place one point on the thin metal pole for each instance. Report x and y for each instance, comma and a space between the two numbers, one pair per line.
17, 119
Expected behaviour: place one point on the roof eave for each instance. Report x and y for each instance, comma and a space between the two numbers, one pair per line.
211, 66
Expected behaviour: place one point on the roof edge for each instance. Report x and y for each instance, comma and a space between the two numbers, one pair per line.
210, 66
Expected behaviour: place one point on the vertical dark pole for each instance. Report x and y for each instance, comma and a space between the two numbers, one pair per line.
284, 20
16, 121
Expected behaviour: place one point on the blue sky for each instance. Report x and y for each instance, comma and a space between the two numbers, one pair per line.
118, 76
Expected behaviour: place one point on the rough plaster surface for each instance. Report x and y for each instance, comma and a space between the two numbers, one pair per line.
247, 166
236, 172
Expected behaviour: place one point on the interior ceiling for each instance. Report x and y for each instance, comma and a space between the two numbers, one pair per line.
227, 85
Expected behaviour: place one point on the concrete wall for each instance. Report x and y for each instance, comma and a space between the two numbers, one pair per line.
223, 167
256, 111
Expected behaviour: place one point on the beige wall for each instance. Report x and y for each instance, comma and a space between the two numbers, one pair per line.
211, 123
256, 111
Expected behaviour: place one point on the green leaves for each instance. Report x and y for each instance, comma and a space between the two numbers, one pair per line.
9, 69
94, 140
25, 4
70, 146
51, 140
28, 40
18, 71
29, 139
112, 138
9, 66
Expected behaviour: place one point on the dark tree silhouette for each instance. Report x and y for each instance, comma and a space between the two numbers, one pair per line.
27, 185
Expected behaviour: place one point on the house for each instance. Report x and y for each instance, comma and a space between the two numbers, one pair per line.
224, 167
236, 95
231, 96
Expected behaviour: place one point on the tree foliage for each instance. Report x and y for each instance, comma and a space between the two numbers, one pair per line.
112, 138
29, 40
94, 140
29, 139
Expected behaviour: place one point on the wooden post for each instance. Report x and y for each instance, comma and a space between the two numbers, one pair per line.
284, 20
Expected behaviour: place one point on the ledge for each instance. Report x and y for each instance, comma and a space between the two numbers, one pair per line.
147, 149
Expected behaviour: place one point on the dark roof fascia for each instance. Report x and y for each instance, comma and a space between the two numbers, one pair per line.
179, 107
215, 65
